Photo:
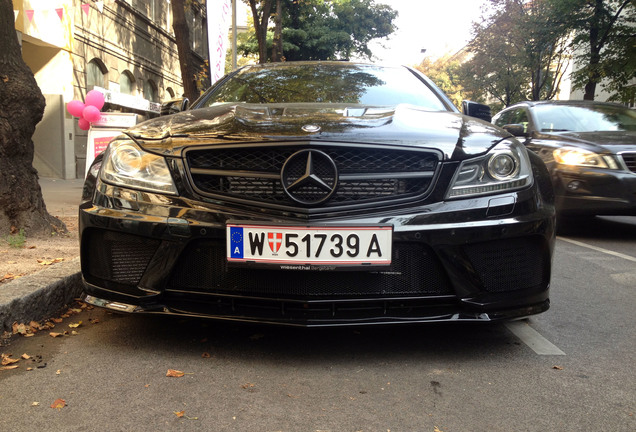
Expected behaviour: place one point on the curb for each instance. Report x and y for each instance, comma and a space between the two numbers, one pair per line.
40, 295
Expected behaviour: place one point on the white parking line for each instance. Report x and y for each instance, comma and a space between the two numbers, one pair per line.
598, 249
532, 338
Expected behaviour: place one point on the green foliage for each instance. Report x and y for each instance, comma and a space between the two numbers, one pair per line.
16, 240
519, 53
604, 40
327, 30
446, 74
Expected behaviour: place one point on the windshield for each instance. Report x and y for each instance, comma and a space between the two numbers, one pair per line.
330, 83
584, 118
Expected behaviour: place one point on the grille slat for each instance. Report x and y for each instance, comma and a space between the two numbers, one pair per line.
367, 175
630, 161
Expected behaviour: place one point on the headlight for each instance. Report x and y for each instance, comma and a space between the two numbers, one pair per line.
125, 164
581, 157
505, 168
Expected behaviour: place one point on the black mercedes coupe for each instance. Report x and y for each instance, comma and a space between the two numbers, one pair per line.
319, 194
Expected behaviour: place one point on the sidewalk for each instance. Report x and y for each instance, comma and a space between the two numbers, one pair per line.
41, 295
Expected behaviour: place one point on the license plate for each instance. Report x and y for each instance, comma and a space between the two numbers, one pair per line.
300, 247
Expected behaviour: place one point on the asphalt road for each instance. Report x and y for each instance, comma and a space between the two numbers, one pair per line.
569, 369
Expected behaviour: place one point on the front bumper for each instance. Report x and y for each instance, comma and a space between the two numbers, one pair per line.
481, 259
591, 191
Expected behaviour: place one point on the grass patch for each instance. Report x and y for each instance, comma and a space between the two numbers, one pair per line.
17, 240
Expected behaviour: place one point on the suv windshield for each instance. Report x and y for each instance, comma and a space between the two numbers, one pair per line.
330, 83
584, 118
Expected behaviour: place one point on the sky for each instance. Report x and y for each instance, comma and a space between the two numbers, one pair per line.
439, 26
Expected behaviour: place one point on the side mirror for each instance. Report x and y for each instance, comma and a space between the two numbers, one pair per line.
517, 130
174, 106
477, 110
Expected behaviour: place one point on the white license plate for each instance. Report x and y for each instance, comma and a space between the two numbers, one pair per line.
340, 246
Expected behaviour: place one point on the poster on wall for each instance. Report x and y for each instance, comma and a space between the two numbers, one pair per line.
101, 132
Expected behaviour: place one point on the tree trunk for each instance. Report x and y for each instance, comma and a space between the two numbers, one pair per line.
21, 108
593, 73
277, 46
182, 35
260, 26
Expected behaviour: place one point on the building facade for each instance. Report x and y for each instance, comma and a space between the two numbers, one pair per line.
123, 48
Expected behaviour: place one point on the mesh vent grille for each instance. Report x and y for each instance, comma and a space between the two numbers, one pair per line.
415, 271
117, 257
509, 265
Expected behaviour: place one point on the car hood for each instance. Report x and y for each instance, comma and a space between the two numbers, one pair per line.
457, 136
612, 141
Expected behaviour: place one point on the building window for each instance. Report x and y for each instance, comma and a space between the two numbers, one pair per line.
95, 74
170, 92
150, 91
169, 17
126, 83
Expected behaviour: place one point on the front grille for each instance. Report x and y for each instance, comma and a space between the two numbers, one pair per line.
630, 161
366, 175
116, 257
415, 271
511, 264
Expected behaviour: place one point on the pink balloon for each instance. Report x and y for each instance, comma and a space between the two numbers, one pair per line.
92, 113
95, 98
83, 124
75, 108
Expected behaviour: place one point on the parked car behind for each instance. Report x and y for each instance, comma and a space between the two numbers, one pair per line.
319, 194
589, 149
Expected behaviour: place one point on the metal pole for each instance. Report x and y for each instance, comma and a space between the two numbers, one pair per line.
234, 33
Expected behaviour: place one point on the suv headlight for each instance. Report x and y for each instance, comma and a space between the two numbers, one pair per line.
126, 164
581, 157
504, 168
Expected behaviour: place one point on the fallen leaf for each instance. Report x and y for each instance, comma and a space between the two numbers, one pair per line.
45, 262
174, 373
58, 404
75, 325
19, 328
557, 367
179, 414
35, 404
53, 334
25, 356
58, 372
7, 360
248, 385
9, 367
57, 320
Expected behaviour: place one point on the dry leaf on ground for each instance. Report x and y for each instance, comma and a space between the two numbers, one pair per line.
58, 404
